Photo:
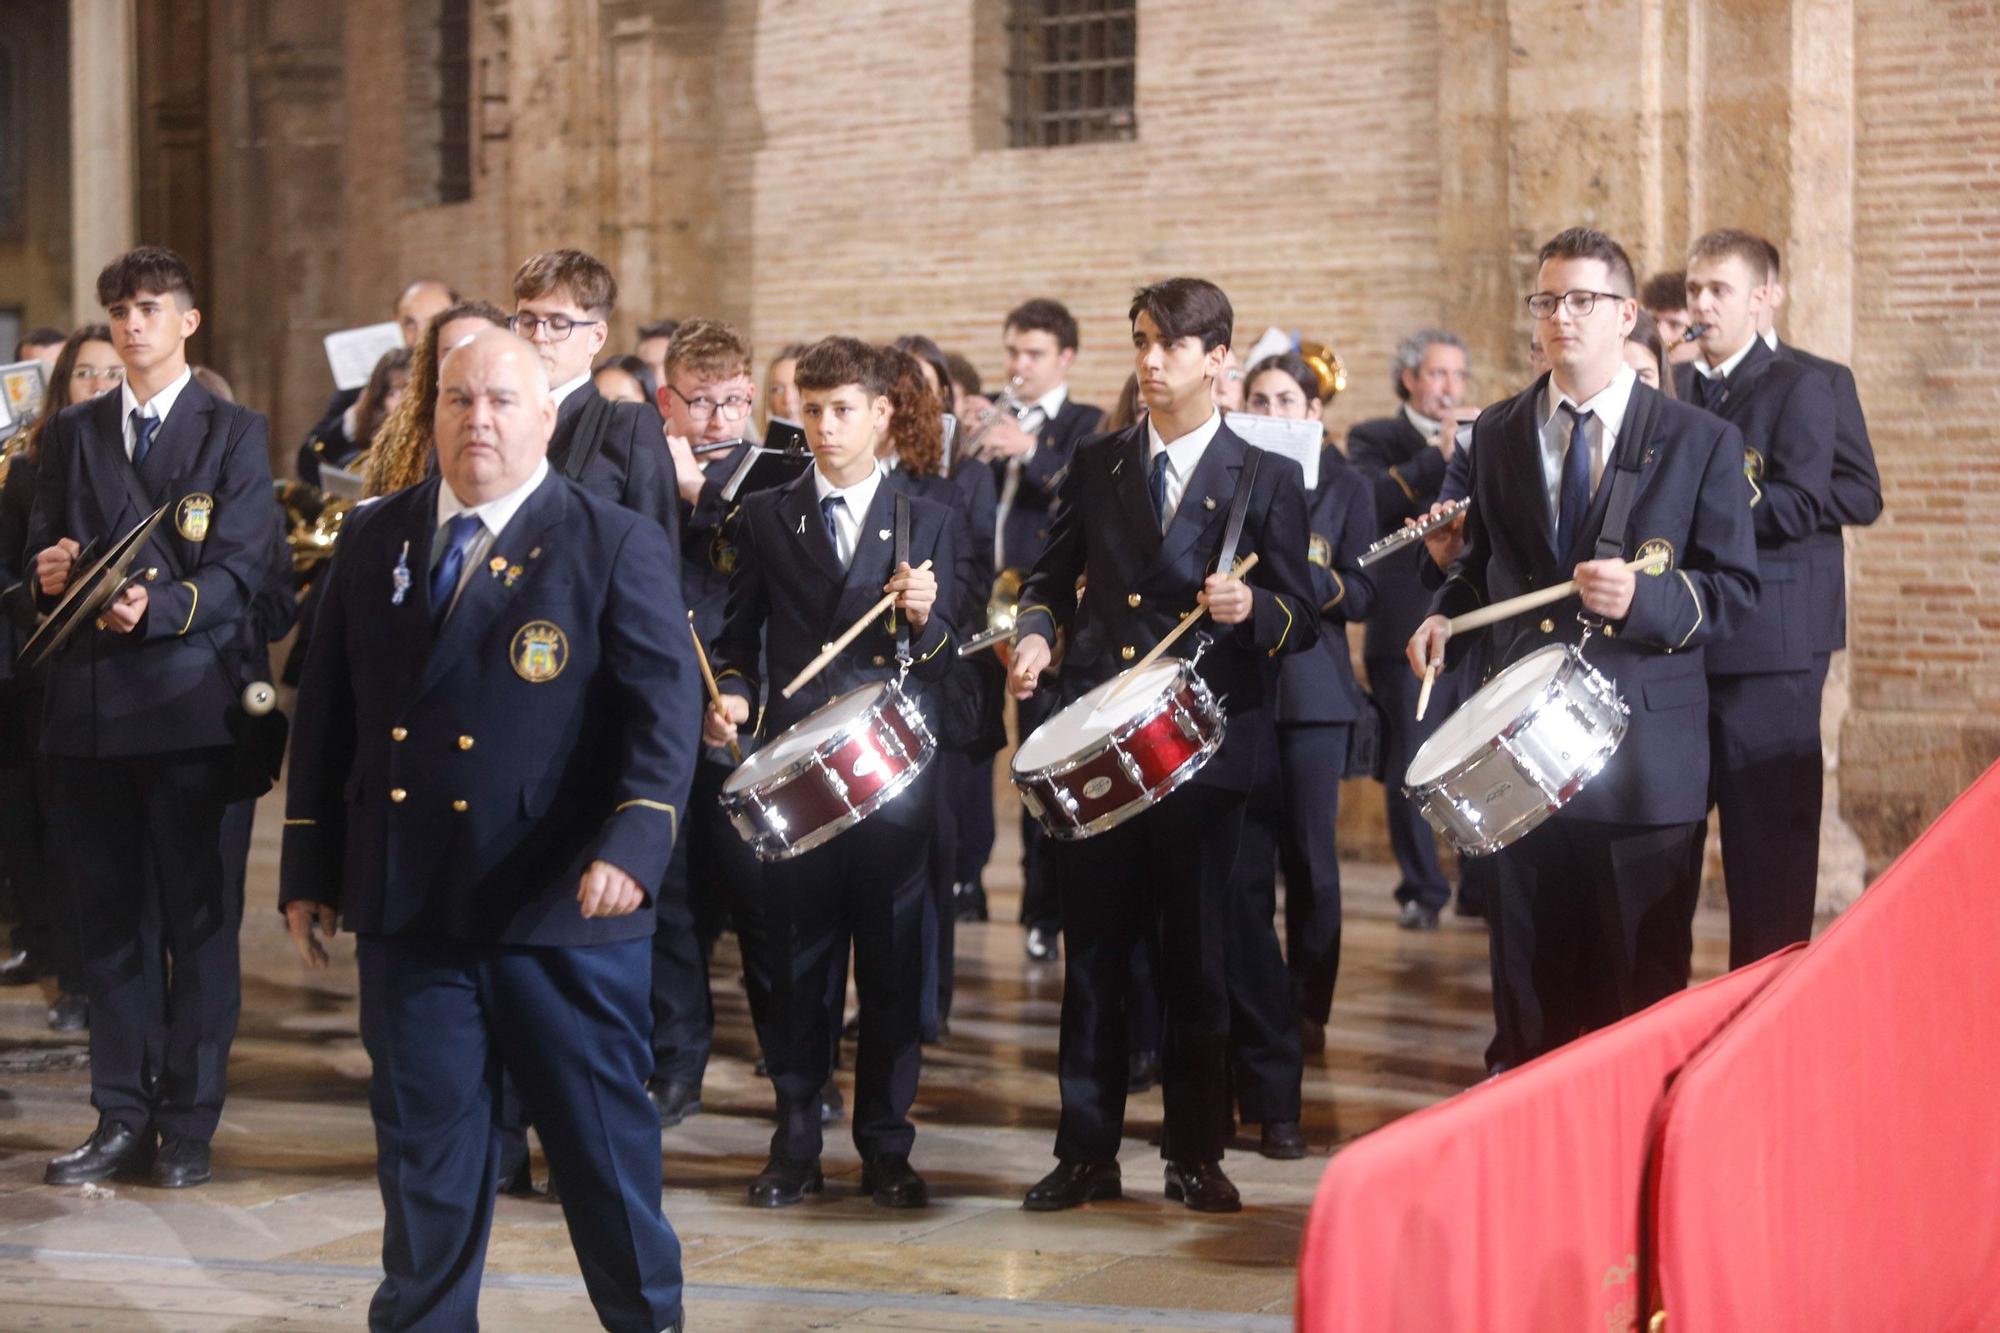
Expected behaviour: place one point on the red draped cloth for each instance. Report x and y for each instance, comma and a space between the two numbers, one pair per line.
1831, 1160
1515, 1205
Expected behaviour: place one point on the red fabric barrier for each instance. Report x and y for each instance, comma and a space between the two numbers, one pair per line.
1831, 1160
1516, 1204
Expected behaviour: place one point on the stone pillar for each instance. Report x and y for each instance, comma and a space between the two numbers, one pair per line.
102, 88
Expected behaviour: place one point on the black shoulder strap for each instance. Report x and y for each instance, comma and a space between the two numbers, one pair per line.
588, 441
903, 558
1640, 413
1239, 507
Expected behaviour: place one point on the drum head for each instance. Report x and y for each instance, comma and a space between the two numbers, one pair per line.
1096, 715
1486, 714
805, 736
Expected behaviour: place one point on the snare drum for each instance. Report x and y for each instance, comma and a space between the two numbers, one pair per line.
829, 771
1102, 760
1518, 750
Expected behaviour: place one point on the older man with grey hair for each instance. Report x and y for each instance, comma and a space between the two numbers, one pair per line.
1403, 457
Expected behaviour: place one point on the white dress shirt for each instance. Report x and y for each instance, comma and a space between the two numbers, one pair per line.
1770, 337
156, 407
851, 513
1426, 427
1607, 413
1183, 456
494, 515
562, 391
1721, 372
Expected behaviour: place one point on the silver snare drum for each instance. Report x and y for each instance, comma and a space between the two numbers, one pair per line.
1518, 750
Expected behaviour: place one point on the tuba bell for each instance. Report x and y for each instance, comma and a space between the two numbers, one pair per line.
312, 523
1326, 368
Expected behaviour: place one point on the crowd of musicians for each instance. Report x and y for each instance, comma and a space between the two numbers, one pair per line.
548, 636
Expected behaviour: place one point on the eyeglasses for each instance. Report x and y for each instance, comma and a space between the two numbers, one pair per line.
701, 407
556, 327
1579, 303
109, 374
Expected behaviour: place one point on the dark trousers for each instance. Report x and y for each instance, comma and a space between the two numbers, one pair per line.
1164, 872
48, 927
1594, 921
1410, 838
1041, 902
940, 918
1266, 1061
972, 811
137, 842
1766, 774
1311, 758
713, 873
866, 886
438, 1018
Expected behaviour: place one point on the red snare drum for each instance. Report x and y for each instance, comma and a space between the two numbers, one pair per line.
1102, 760
829, 771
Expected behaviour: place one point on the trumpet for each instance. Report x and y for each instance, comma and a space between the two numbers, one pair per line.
1416, 532
1694, 332
1001, 609
1008, 403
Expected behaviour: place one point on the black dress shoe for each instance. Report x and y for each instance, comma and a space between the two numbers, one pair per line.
831, 1103
70, 1013
1416, 916
968, 902
1202, 1187
783, 1182
1281, 1140
113, 1149
1073, 1184
516, 1179
894, 1182
1142, 1071
673, 1099
1043, 944
180, 1164
19, 969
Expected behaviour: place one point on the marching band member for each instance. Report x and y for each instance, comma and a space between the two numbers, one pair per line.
1143, 515
340, 435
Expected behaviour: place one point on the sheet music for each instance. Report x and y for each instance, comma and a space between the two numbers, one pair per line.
339, 483
352, 353
1299, 440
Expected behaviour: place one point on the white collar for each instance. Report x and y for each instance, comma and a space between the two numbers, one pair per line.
1426, 427
858, 496
160, 403
1770, 337
1185, 452
494, 514
1721, 372
562, 391
1608, 404
1052, 402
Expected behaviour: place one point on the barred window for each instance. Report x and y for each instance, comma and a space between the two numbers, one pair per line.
1070, 72
438, 123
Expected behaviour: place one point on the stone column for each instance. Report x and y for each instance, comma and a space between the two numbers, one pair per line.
102, 120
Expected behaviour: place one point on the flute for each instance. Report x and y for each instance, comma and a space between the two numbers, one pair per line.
1423, 528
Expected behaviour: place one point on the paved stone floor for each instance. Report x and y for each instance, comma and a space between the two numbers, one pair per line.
288, 1234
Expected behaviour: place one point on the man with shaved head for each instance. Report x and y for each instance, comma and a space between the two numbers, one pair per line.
496, 733
331, 440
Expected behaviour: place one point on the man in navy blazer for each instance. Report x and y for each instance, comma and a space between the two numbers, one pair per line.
142, 717
1766, 678
495, 737
1595, 907
1143, 520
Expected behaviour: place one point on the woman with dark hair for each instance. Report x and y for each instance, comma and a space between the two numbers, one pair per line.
626, 379
401, 452
46, 940
1646, 353
387, 384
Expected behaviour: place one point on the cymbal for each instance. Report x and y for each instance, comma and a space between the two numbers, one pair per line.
88, 596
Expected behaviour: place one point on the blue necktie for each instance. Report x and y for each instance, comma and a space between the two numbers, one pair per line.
1574, 499
458, 534
1156, 483
827, 507
143, 430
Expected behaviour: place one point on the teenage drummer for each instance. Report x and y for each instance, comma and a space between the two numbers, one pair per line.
811, 558
1145, 516
1585, 469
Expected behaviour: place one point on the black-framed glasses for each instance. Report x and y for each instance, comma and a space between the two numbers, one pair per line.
1579, 302
555, 327
701, 406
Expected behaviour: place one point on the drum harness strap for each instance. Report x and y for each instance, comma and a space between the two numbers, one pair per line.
1638, 424
592, 425
902, 558
1232, 530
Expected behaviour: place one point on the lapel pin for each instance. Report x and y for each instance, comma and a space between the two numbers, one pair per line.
1117, 467
513, 572
497, 564
1208, 502
535, 554
399, 579
802, 525
883, 534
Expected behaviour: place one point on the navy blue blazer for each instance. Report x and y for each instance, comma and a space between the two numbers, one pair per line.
1784, 411
632, 468
788, 597
1854, 499
327, 441
166, 686
458, 787
1403, 471
1691, 495
1031, 515
1318, 684
1139, 583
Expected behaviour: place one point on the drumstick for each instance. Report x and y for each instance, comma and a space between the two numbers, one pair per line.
708, 679
832, 650
1528, 601
1424, 694
1243, 567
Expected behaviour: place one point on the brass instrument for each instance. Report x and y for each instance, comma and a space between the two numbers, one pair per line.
312, 523
1326, 368
1009, 402
1002, 606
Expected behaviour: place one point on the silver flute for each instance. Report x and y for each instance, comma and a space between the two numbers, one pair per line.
1423, 528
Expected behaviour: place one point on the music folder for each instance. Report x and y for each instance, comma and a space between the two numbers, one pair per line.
781, 457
